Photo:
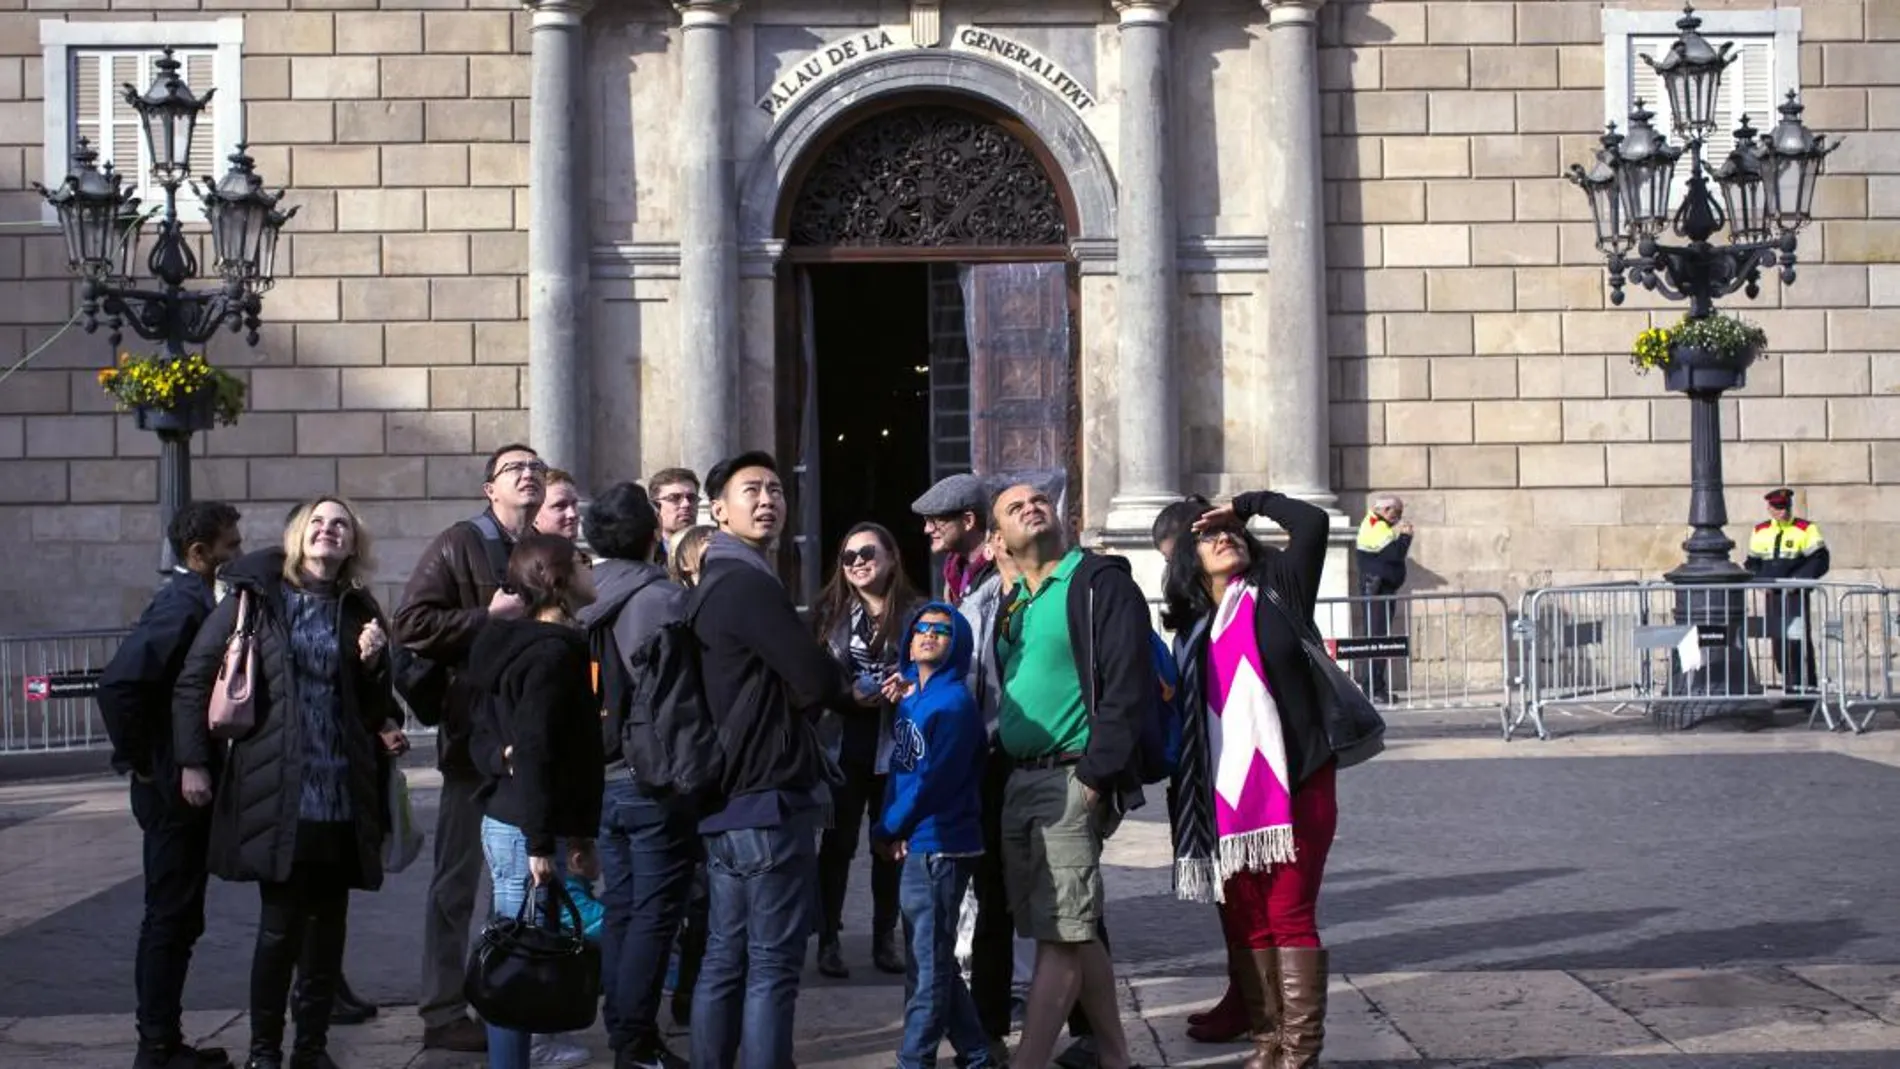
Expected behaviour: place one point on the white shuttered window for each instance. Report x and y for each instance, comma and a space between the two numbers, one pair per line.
87, 66
1768, 64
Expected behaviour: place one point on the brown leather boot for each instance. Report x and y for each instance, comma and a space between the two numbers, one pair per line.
1303, 1006
1260, 989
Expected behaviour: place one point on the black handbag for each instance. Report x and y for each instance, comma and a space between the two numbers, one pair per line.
541, 978
1354, 728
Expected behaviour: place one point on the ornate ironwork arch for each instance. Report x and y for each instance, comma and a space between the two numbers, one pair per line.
927, 176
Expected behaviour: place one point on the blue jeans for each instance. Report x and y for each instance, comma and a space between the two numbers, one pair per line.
930, 893
647, 852
762, 890
506, 849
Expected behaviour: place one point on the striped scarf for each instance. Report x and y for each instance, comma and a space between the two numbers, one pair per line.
1233, 804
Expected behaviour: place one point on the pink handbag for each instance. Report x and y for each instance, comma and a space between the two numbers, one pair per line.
233, 712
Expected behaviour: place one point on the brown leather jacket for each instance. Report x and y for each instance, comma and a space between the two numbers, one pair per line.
444, 605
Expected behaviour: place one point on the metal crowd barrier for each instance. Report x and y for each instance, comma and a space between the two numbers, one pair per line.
1863, 642
47, 688
1670, 650
1438, 652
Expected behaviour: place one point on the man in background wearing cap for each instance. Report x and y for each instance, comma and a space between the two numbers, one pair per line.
1785, 546
952, 512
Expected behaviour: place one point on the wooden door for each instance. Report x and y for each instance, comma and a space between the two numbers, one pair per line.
1021, 367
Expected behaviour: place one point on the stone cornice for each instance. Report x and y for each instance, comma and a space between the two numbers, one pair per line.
558, 12
1194, 254
706, 12
1136, 12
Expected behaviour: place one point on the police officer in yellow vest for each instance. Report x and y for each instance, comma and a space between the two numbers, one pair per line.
1785, 546
1384, 540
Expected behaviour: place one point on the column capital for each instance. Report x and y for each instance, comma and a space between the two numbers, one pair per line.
558, 12
1135, 12
706, 12
1291, 12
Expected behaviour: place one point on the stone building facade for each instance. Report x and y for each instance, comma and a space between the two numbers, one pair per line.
1321, 245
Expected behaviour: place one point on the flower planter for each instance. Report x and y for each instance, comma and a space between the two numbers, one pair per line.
1693, 369
196, 413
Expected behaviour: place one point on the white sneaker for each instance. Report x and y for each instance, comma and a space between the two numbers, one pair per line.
553, 1052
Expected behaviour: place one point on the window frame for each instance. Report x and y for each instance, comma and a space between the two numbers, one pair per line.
59, 40
1781, 25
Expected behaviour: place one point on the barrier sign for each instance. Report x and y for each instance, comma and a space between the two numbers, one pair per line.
63, 686
1370, 647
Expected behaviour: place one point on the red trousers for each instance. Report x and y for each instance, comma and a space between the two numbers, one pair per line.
1278, 907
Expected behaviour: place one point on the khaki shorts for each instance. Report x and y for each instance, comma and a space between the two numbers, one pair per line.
1052, 855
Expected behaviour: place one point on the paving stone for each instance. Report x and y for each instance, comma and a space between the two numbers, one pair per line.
1874, 988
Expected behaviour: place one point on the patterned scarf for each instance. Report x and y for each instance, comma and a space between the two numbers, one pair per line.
1234, 802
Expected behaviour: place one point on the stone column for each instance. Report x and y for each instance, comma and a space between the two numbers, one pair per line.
558, 409
709, 250
1296, 414
1148, 406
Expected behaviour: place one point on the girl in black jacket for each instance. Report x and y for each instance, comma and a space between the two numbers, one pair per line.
1247, 693
298, 803
536, 740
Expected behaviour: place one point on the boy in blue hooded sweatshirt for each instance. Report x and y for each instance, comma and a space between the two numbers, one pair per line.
932, 823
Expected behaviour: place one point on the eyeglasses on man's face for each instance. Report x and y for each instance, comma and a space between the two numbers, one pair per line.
532, 468
677, 498
933, 627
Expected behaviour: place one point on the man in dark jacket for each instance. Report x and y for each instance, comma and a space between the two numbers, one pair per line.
766, 680
455, 589
1073, 652
647, 845
135, 701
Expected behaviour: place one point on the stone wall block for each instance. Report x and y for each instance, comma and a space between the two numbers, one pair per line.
379, 121
1384, 467
1875, 329
497, 76
1468, 202
1580, 66
382, 478
340, 434
335, 77
1454, 112
1482, 289
1470, 22
1470, 466
386, 388
1428, 334
428, 344
293, 478
1432, 245
425, 254
1465, 378
1559, 288
379, 211
1862, 417
299, 122
475, 297
496, 429
498, 165
1515, 67
1607, 420
330, 166
1389, 290
473, 387
498, 253
336, 254
454, 476
290, 33
1426, 157
427, 77
1428, 422
425, 165
283, 389
1512, 244
1349, 69
1813, 463
302, 299
266, 78
468, 120
386, 299
1782, 419
1514, 334
338, 344
1857, 64
501, 343
467, 31
471, 209
33, 482
256, 434
70, 436
379, 33
1425, 68
429, 432
1824, 374
1513, 156
36, 393
1651, 464
1574, 464
1374, 24
133, 482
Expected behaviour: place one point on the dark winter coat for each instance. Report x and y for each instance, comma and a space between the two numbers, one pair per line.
258, 780
135, 691
533, 692
443, 607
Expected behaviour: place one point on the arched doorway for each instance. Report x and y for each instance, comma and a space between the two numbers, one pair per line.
926, 316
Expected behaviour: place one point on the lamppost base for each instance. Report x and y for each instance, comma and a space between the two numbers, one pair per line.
1711, 600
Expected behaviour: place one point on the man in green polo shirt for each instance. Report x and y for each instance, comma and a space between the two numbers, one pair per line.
1077, 676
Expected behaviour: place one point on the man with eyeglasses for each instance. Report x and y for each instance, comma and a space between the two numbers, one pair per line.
458, 585
675, 493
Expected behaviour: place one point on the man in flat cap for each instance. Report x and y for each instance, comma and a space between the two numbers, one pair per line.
952, 512
1785, 546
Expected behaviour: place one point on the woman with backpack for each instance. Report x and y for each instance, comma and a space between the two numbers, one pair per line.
536, 739
1246, 688
298, 800
861, 615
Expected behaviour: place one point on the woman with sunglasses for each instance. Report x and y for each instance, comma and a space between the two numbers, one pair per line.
861, 615
1257, 842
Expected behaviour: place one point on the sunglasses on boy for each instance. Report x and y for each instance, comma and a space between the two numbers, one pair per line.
932, 627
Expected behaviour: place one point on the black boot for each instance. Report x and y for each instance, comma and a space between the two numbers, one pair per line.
346, 1008
312, 1004
267, 1040
888, 952
831, 961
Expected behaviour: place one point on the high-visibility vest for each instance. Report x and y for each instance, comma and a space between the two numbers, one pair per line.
1794, 540
1375, 533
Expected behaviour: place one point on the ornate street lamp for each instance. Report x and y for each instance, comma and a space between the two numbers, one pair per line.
99, 217
1767, 194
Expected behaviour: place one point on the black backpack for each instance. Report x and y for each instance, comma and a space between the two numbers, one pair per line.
613, 684
423, 683
670, 738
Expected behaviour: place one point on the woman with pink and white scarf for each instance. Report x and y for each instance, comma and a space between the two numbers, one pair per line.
1255, 809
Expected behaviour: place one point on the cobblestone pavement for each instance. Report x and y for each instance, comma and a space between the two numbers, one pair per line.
1688, 902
